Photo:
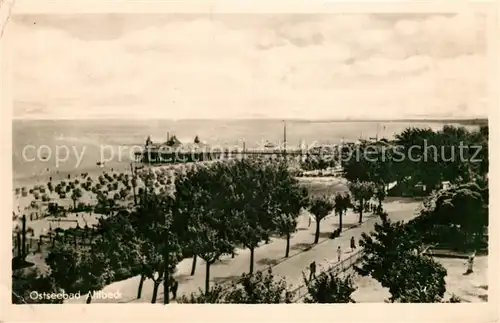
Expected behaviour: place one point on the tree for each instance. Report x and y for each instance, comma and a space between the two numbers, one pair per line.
466, 208
437, 157
202, 215
216, 295
427, 170
457, 217
320, 207
260, 288
383, 246
416, 279
119, 240
196, 140
79, 270
27, 280
380, 194
253, 204
286, 225
329, 288
291, 199
159, 247
369, 162
361, 192
341, 204
392, 256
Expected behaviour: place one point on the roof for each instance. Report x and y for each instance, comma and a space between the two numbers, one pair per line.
178, 146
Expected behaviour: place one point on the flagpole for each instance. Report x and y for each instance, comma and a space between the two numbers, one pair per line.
284, 139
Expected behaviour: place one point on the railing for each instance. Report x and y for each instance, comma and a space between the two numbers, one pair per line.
340, 267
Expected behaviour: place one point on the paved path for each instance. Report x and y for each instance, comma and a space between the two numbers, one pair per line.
324, 253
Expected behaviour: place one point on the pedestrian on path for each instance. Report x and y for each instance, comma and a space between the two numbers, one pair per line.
339, 253
353, 244
470, 263
310, 219
312, 270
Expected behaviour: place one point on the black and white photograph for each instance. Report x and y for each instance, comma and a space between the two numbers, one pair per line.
249, 158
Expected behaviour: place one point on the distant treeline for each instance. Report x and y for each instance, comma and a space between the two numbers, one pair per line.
463, 122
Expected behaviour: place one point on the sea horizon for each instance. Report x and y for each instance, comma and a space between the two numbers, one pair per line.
464, 119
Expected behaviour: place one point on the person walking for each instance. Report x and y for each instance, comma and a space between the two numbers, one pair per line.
339, 253
353, 244
470, 263
310, 220
312, 270
175, 286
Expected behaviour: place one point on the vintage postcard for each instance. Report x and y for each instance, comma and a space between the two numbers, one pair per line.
296, 153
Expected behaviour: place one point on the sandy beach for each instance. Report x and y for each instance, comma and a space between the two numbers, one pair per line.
34, 208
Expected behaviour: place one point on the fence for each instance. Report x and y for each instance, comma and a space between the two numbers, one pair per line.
341, 267
41, 243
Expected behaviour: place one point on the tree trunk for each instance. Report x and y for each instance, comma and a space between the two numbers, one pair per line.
316, 236
251, 259
141, 283
361, 203
193, 267
155, 291
166, 281
287, 251
134, 183
18, 241
207, 277
23, 247
340, 220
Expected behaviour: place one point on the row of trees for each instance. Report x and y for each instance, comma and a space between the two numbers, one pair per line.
214, 210
421, 155
145, 242
394, 255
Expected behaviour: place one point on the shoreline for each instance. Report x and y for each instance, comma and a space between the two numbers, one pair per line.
21, 204
60, 175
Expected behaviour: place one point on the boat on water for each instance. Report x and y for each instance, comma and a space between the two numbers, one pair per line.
269, 145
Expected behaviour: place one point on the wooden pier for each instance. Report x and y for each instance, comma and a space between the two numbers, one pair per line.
159, 156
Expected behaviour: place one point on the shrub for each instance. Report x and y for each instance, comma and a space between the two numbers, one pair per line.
328, 288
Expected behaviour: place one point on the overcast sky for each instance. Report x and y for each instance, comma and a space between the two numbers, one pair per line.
237, 66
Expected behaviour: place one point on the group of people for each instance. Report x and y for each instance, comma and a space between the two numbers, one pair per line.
312, 265
372, 207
